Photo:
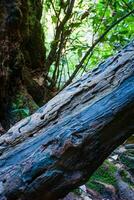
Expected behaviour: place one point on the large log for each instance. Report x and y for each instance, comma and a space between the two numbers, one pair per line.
59, 147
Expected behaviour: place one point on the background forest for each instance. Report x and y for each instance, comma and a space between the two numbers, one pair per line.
80, 34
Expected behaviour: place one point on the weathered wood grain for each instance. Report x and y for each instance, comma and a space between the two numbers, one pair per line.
59, 147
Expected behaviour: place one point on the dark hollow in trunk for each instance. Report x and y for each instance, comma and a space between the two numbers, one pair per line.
59, 147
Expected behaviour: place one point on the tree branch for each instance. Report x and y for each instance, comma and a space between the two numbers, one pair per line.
51, 57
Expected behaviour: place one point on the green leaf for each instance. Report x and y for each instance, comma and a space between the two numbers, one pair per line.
54, 19
80, 52
26, 111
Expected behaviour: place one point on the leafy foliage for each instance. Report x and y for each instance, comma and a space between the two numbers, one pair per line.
79, 34
19, 108
22, 106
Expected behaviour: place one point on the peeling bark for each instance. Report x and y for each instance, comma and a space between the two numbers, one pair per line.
59, 147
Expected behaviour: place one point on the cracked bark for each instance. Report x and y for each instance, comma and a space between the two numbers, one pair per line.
60, 146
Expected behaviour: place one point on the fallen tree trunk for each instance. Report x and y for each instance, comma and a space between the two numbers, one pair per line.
59, 147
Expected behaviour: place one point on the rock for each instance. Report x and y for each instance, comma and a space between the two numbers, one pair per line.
94, 195
119, 151
83, 188
115, 157
72, 196
124, 190
119, 165
87, 198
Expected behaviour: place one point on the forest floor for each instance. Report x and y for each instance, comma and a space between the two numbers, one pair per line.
114, 180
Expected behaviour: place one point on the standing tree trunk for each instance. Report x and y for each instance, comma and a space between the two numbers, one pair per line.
22, 54
59, 147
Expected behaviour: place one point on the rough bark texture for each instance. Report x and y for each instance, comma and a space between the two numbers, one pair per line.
22, 53
59, 147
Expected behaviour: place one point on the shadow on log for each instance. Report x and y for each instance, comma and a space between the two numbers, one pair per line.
59, 147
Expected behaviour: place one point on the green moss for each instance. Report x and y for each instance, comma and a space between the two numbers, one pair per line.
130, 140
104, 174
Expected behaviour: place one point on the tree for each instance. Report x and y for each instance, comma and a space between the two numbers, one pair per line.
18, 58
35, 71
56, 149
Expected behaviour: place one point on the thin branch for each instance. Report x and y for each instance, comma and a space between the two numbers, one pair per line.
84, 68
61, 72
68, 71
61, 46
59, 30
54, 9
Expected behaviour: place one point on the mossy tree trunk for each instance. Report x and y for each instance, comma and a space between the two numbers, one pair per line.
22, 54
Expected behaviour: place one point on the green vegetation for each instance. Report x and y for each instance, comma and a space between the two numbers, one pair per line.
82, 34
22, 106
127, 158
104, 174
